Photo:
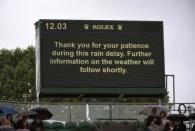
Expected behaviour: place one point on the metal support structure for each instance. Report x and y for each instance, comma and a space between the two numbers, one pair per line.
110, 112
70, 112
174, 90
166, 84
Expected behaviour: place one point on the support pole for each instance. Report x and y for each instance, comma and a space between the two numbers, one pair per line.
110, 112
173, 79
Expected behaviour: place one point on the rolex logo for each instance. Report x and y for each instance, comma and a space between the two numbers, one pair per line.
120, 27
86, 26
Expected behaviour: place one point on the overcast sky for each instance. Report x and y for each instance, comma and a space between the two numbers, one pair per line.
17, 18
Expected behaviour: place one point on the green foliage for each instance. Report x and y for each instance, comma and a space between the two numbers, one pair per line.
17, 74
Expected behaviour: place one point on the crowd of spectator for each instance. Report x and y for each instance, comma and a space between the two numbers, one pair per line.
161, 123
20, 124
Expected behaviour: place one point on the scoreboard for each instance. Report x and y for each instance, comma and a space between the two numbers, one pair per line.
99, 58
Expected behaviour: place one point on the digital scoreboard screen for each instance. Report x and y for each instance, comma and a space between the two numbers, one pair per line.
99, 57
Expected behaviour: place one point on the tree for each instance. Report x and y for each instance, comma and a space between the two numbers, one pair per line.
17, 74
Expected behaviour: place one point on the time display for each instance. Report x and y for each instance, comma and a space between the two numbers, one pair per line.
55, 26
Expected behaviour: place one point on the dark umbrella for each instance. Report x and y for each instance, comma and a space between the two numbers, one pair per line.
147, 110
23, 130
192, 116
43, 113
30, 114
176, 117
5, 110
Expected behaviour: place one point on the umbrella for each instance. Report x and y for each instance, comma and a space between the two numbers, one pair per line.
176, 117
147, 110
5, 110
192, 116
23, 130
30, 114
43, 113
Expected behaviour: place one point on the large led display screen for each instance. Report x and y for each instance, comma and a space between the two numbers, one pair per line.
94, 57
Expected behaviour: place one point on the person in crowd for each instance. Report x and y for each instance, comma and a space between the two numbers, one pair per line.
6, 122
1, 118
163, 118
22, 123
10, 118
37, 124
6, 125
176, 125
181, 126
153, 121
169, 126
193, 128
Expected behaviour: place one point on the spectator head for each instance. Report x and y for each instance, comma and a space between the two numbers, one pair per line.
24, 118
154, 110
6, 122
37, 119
163, 114
9, 116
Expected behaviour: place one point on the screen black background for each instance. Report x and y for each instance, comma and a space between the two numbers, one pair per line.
137, 76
